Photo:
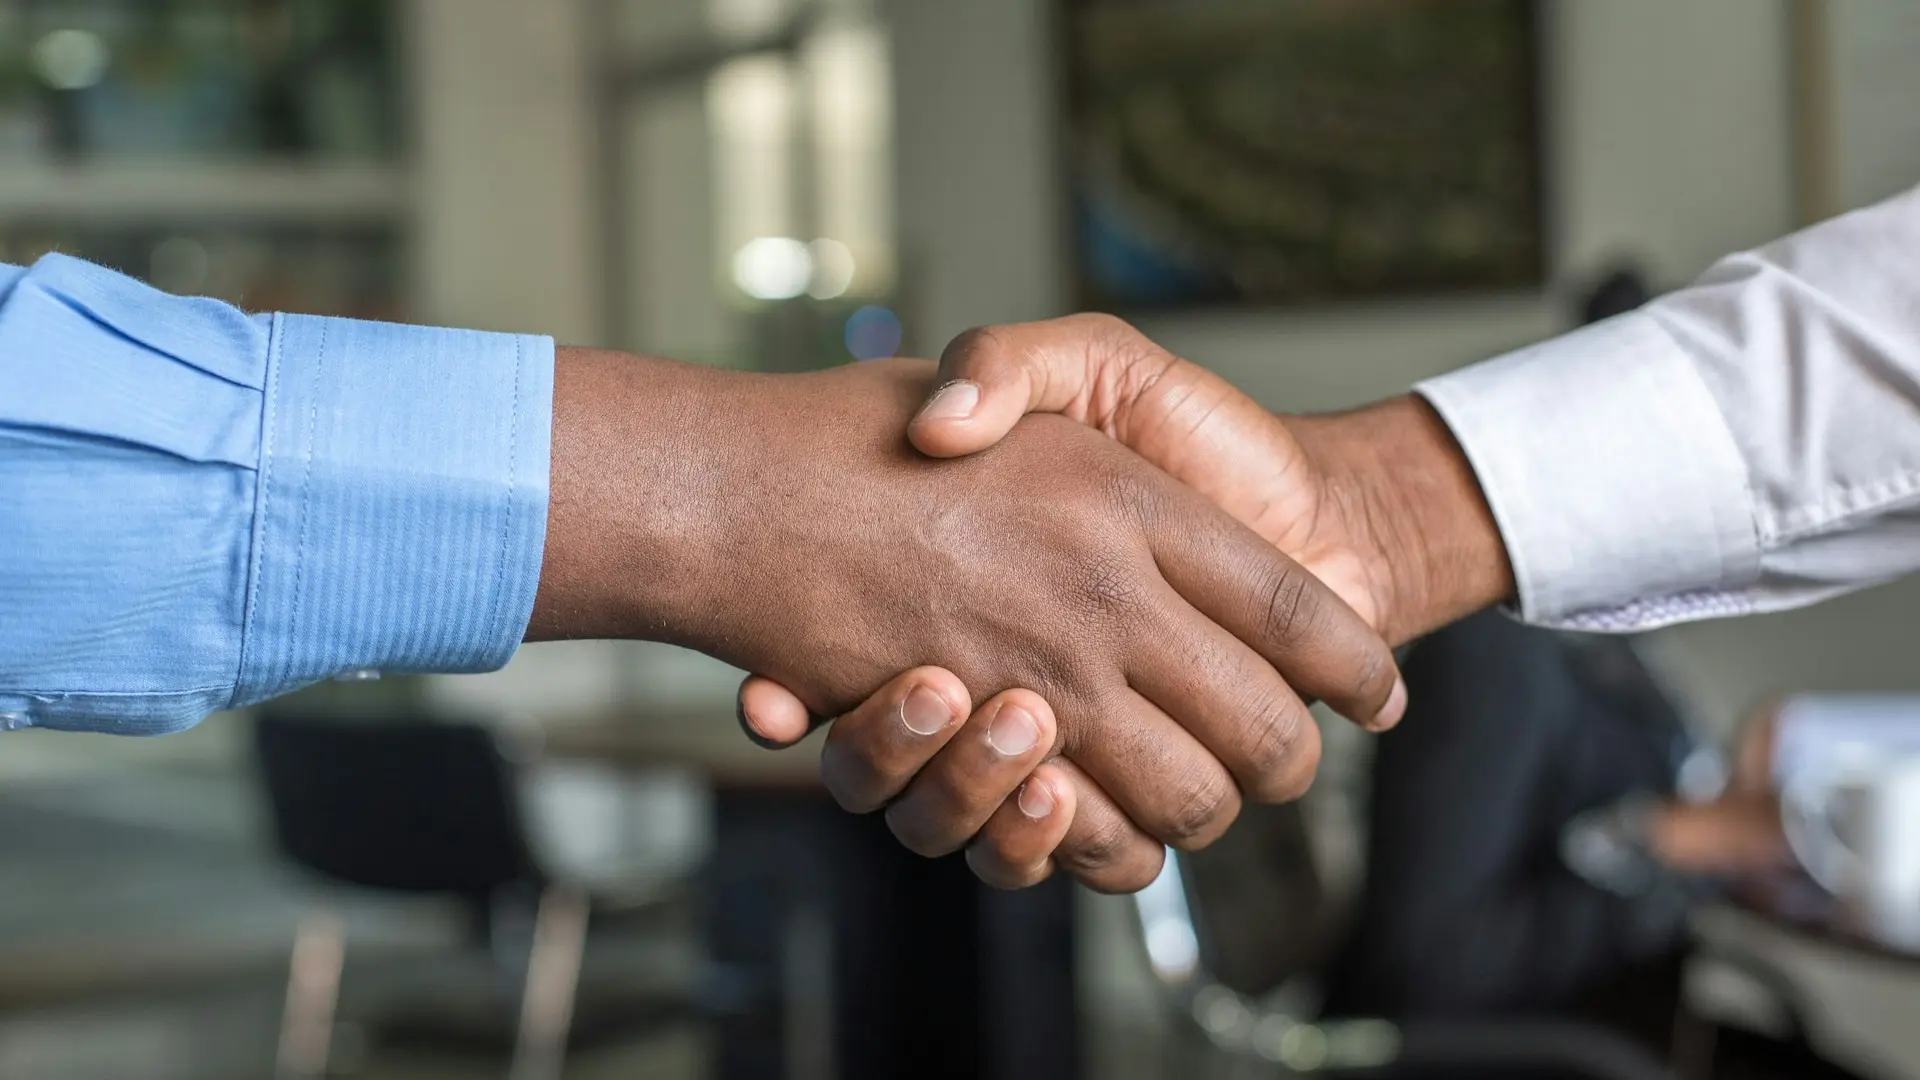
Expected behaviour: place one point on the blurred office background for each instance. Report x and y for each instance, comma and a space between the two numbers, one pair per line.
767, 183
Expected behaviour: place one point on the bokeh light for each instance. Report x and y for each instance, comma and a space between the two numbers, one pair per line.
874, 333
71, 59
773, 268
833, 269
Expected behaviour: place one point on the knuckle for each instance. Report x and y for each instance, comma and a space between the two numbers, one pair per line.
1273, 747
1129, 488
1203, 813
979, 344
1110, 331
1292, 609
1130, 878
1376, 675
1100, 849
1289, 779
1110, 588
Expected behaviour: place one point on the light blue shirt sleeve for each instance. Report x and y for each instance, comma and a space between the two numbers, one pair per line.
202, 509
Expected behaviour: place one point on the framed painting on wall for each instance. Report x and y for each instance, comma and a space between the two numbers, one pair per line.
1260, 152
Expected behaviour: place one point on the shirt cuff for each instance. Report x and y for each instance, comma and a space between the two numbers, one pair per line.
1620, 493
401, 503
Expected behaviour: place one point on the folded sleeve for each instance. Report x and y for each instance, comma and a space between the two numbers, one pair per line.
201, 509
1747, 444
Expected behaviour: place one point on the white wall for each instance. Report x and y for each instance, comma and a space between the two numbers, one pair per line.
1876, 126
504, 183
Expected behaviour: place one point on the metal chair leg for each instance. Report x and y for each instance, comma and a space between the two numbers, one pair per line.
553, 978
313, 994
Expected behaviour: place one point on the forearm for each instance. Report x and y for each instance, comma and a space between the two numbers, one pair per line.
622, 514
1410, 500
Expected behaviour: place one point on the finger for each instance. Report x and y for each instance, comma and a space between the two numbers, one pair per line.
875, 750
1104, 849
1231, 700
992, 376
771, 715
1015, 847
1172, 787
979, 770
1285, 614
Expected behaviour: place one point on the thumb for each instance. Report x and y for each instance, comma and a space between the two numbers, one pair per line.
992, 376
771, 714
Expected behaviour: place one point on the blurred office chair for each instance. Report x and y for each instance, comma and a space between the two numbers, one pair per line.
421, 806
1234, 935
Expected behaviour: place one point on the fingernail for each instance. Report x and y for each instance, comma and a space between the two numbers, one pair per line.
924, 712
752, 732
1013, 731
1036, 799
1394, 709
954, 401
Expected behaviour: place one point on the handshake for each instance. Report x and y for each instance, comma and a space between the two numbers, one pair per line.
1080, 637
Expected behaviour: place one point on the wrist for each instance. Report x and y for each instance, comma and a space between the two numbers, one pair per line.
635, 493
1406, 498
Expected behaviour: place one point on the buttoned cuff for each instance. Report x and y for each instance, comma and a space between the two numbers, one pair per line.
401, 504
1620, 494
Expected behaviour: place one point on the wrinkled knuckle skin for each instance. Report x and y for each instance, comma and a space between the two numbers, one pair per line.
1203, 814
1129, 879
1112, 332
1129, 489
1109, 588
1374, 681
1273, 752
1099, 852
1292, 610
1290, 779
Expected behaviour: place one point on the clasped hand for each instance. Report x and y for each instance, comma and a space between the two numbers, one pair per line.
1141, 722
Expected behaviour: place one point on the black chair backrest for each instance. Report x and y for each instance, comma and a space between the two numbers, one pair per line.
402, 803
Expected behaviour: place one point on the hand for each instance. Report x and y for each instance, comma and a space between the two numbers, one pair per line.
1739, 833
1379, 503
782, 524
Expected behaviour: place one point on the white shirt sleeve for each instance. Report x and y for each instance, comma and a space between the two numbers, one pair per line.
1747, 444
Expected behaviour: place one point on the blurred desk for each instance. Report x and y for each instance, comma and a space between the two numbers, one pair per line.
1781, 963
873, 961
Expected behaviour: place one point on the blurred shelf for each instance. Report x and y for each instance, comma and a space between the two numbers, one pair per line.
145, 192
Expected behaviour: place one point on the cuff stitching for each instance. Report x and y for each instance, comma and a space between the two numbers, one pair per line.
306, 480
263, 496
513, 478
